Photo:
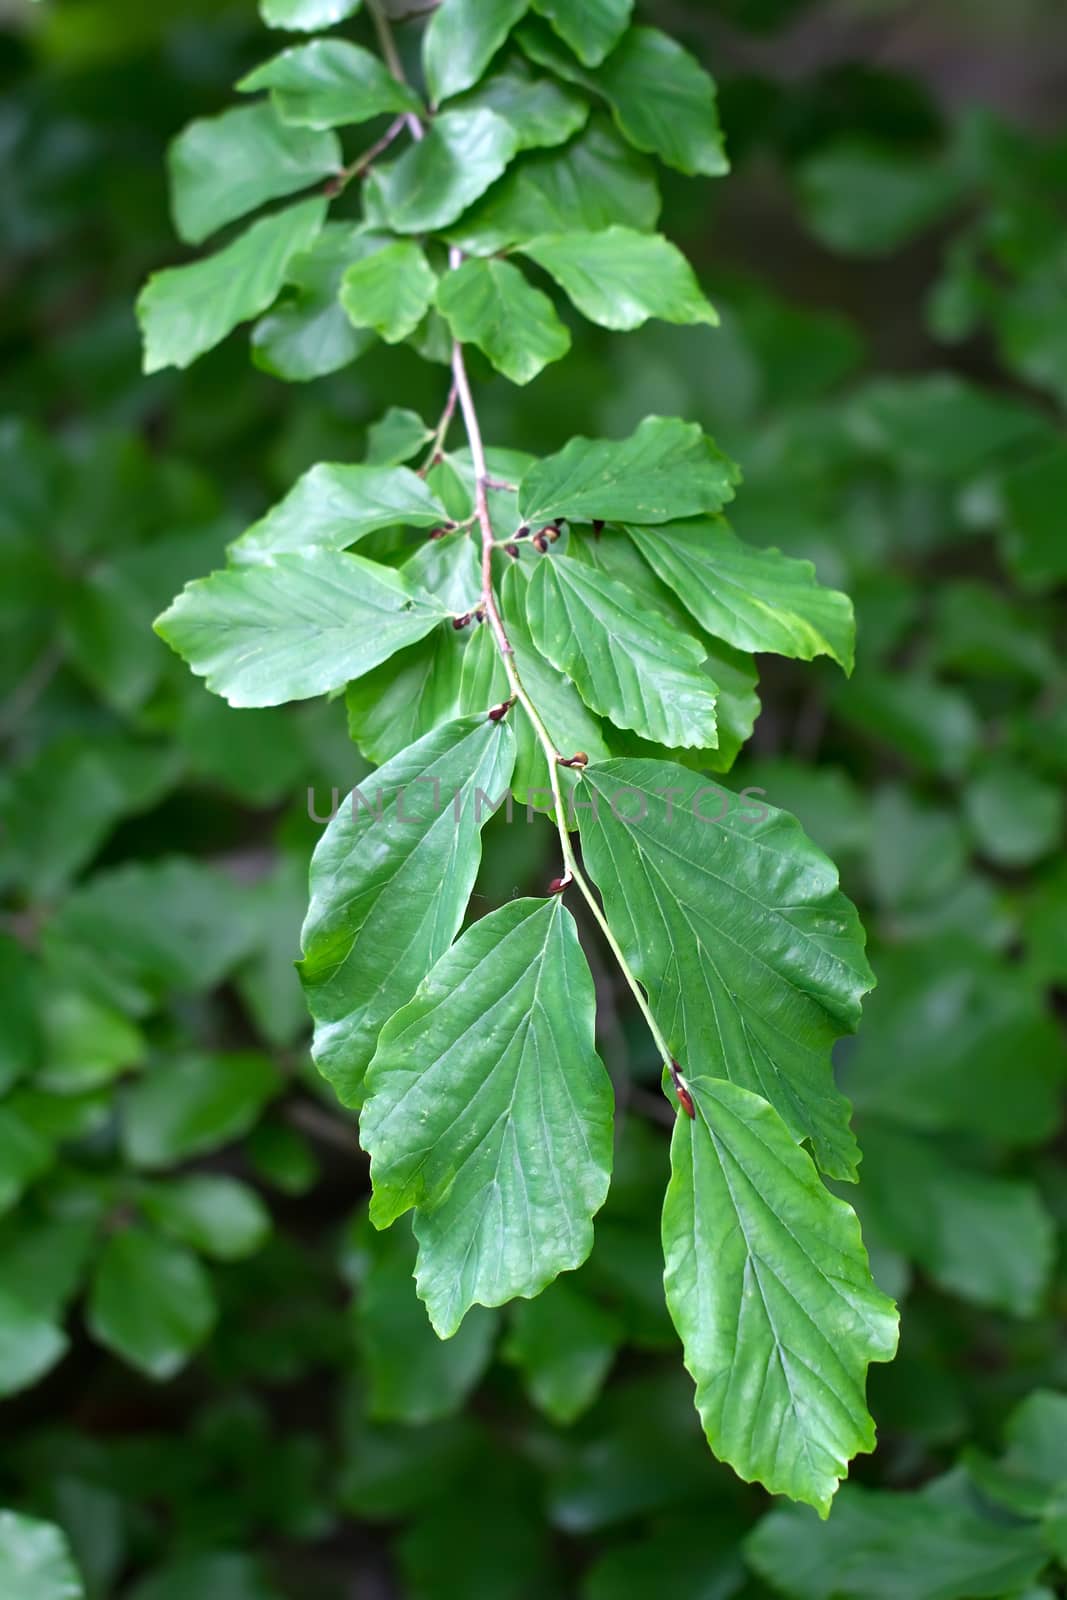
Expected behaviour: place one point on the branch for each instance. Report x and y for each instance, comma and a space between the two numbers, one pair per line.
363, 163
572, 873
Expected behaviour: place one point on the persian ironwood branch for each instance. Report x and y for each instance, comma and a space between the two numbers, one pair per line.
362, 164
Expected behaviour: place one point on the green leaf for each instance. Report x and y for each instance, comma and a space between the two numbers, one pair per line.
1015, 817
489, 1111
307, 334
751, 957
941, 427
594, 182
1033, 542
592, 29
20, 1028
462, 39
754, 599
627, 662
397, 436
306, 16
150, 1302
333, 506
413, 1376
941, 1024
185, 311
35, 1560
30, 1345
186, 1107
305, 624
223, 167
660, 96
109, 935
564, 1344
87, 1043
490, 304
408, 696
389, 890
984, 1237
664, 102
861, 199
223, 1575
214, 1214
542, 111
768, 1284
63, 803
931, 723
665, 470
619, 278
893, 1544
390, 291
439, 177
329, 83
25, 1155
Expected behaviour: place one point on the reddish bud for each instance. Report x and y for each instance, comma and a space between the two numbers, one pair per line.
558, 885
461, 622
437, 533
513, 551
498, 713
540, 542
681, 1089
580, 760
524, 532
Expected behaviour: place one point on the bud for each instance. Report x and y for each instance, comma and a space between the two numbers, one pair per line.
498, 713
524, 532
540, 543
513, 551
558, 885
580, 760
461, 622
681, 1089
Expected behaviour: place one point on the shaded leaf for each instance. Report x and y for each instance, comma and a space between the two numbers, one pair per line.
412, 1376
307, 335
213, 1213
888, 1544
150, 1302
186, 1107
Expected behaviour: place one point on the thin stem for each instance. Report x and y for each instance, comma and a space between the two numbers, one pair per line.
387, 45
363, 162
440, 435
572, 871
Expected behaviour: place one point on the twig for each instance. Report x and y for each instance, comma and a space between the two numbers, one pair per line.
392, 60
440, 435
362, 163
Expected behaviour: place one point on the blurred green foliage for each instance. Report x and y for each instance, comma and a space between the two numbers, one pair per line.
219, 1384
